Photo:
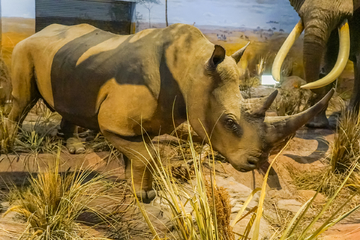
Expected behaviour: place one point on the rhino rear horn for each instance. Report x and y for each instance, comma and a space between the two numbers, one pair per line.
278, 128
238, 54
258, 106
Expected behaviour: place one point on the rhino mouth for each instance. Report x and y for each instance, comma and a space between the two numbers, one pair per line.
252, 163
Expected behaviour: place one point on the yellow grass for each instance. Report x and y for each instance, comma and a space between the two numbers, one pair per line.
53, 201
9, 40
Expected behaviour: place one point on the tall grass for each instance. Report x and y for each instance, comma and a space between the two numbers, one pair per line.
198, 212
53, 202
200, 209
345, 150
7, 137
36, 139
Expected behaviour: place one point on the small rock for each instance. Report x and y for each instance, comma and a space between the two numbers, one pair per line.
235, 189
236, 208
259, 91
289, 205
233, 202
292, 82
307, 194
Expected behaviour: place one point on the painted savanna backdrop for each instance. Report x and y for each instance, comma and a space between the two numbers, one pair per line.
231, 23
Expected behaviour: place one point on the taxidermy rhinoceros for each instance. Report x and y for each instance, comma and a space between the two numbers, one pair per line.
125, 86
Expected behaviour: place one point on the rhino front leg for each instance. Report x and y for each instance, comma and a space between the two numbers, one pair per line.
73, 143
138, 163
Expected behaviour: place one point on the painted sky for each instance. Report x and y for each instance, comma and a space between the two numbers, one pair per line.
234, 13
18, 8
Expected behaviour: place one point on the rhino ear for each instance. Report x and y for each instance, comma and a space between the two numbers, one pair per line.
217, 57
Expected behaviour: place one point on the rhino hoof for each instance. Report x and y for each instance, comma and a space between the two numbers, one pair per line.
75, 146
146, 196
151, 194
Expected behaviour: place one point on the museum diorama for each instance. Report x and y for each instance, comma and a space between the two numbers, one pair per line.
175, 119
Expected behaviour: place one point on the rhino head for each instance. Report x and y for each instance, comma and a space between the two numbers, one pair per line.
238, 127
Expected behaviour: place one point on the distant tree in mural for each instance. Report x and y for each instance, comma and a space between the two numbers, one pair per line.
138, 18
148, 4
166, 15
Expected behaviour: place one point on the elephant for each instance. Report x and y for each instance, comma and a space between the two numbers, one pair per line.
325, 50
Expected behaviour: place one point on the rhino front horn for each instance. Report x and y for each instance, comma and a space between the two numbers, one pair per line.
278, 128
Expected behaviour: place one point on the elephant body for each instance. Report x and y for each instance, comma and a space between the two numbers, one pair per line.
321, 18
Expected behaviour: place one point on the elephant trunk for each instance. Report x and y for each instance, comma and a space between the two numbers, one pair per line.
315, 39
314, 44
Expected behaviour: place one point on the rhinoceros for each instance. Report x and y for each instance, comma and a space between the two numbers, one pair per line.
127, 86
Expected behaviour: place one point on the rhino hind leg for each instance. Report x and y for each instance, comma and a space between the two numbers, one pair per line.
73, 143
138, 157
24, 92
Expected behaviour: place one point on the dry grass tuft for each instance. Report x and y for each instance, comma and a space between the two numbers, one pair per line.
345, 150
52, 202
37, 139
323, 180
7, 137
219, 199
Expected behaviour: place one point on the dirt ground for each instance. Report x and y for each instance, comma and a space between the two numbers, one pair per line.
306, 152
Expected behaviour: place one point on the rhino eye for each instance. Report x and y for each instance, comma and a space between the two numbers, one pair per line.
233, 126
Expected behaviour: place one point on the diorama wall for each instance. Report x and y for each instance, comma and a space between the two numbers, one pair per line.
113, 16
232, 23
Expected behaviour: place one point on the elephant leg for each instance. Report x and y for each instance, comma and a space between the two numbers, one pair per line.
355, 98
138, 157
73, 143
320, 120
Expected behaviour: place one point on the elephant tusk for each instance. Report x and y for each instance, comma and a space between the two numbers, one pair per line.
284, 50
343, 57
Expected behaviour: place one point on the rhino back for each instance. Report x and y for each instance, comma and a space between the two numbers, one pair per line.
136, 60
76, 85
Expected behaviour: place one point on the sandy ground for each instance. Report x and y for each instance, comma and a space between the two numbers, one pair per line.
304, 153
